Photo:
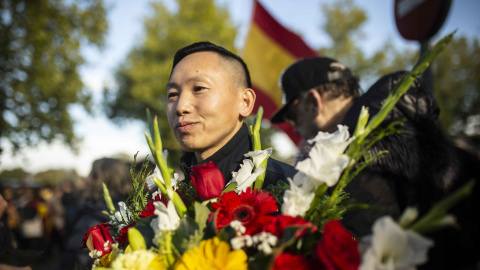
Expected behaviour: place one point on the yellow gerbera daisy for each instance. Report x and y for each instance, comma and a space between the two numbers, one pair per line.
213, 254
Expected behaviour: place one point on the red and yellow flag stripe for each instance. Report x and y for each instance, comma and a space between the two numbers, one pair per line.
269, 49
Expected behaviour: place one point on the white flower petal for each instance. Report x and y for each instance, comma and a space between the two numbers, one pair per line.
158, 174
394, 248
323, 165
259, 155
167, 219
297, 200
244, 172
249, 181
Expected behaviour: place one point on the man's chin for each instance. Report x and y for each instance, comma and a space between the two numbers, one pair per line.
188, 146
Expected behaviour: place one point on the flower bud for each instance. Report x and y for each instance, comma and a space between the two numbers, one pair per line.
208, 181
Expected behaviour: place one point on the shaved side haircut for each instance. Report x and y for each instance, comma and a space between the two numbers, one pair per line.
235, 64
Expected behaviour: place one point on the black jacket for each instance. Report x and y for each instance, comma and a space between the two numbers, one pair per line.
230, 156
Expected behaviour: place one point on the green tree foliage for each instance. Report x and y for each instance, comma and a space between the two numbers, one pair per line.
55, 177
343, 24
454, 71
39, 58
457, 85
142, 78
16, 173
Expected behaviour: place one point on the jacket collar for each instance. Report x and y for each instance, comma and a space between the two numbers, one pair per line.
228, 158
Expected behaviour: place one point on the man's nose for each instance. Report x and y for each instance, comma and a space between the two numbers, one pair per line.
184, 104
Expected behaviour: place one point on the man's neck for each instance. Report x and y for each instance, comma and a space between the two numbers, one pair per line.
336, 109
200, 156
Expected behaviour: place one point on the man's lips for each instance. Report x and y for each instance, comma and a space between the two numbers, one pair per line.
184, 126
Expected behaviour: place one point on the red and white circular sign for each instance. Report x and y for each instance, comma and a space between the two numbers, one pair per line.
420, 19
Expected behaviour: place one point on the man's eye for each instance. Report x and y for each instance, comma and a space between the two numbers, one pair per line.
172, 94
198, 88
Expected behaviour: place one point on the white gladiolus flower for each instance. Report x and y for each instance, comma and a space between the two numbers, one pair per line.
258, 156
297, 199
244, 177
157, 174
326, 160
336, 142
167, 218
394, 248
122, 217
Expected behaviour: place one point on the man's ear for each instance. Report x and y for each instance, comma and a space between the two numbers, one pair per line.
314, 102
247, 102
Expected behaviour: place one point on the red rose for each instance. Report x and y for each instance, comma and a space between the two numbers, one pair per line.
96, 237
208, 181
123, 238
287, 261
338, 249
282, 221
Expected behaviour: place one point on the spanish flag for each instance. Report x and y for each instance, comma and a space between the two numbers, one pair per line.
269, 49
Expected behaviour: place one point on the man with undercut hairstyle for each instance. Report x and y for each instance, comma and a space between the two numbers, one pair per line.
209, 95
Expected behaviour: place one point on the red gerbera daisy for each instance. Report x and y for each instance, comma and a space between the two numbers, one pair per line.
252, 208
123, 238
150, 209
278, 225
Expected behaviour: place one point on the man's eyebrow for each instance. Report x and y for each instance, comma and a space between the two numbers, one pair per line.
172, 85
196, 78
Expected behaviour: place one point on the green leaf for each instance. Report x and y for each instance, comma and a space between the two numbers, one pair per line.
261, 262
226, 234
201, 215
211, 229
290, 235
231, 187
187, 235
143, 226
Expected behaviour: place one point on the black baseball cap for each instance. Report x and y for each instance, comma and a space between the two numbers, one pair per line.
304, 75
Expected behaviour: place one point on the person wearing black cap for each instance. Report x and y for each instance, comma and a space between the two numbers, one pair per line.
319, 89
319, 93
209, 95
422, 165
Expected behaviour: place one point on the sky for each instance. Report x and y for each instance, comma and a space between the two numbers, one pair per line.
102, 138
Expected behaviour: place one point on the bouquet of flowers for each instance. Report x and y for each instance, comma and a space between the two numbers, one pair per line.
205, 224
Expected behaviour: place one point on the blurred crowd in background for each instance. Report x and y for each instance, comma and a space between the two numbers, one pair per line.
54, 218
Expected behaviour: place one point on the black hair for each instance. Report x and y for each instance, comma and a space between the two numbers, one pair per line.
343, 83
206, 46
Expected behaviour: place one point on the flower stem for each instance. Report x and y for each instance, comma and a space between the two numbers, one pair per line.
400, 88
435, 218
